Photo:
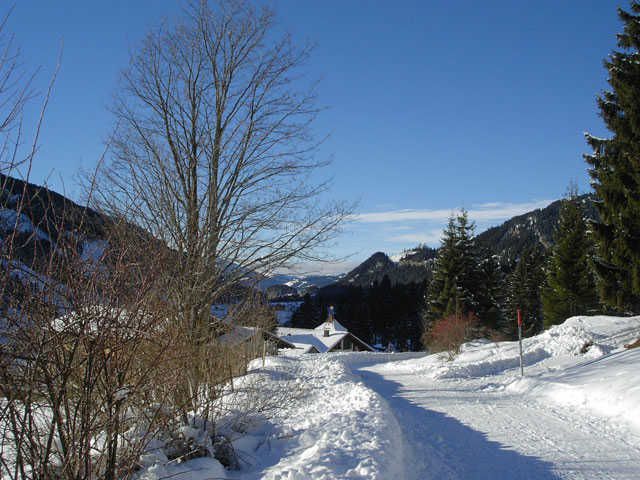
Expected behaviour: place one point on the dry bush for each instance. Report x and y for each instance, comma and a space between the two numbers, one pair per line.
449, 333
15, 92
635, 344
94, 361
94, 358
83, 353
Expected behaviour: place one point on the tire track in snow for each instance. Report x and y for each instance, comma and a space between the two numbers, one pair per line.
448, 422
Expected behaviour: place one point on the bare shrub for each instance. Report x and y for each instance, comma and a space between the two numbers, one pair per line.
635, 344
15, 91
84, 348
449, 333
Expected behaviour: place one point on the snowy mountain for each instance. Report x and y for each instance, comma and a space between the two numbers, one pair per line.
280, 285
38, 217
531, 229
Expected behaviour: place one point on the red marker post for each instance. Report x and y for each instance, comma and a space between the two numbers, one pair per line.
520, 340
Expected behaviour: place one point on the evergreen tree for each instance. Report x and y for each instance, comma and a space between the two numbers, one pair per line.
456, 275
471, 277
615, 170
308, 315
524, 286
382, 310
569, 287
490, 290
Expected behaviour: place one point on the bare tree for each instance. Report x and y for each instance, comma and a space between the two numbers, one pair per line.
213, 154
213, 149
15, 91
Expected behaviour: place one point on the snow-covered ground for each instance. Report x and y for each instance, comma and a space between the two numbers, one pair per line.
336, 427
575, 414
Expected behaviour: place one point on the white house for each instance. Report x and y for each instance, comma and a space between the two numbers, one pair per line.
329, 336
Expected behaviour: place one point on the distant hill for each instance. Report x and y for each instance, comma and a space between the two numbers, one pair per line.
45, 213
280, 285
415, 265
281, 291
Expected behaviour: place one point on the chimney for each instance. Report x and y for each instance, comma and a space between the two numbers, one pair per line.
329, 322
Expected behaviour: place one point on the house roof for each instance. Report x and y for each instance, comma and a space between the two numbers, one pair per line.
299, 349
239, 334
307, 337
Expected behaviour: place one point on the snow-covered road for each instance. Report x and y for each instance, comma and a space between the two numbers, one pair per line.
575, 414
475, 430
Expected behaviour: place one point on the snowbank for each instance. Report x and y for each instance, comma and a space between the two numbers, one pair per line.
577, 339
330, 425
196, 469
608, 386
603, 380
314, 419
580, 363
335, 427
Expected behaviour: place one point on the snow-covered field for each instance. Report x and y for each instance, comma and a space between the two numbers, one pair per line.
575, 414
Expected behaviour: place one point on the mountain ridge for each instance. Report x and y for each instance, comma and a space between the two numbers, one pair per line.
508, 241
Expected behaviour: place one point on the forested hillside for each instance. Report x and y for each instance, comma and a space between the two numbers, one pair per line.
37, 216
383, 301
530, 230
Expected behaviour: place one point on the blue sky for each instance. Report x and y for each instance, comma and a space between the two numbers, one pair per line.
431, 105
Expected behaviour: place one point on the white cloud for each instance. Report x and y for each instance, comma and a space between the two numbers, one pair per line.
483, 213
398, 228
402, 216
490, 205
431, 237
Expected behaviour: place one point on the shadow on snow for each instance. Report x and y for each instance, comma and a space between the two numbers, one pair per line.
441, 447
